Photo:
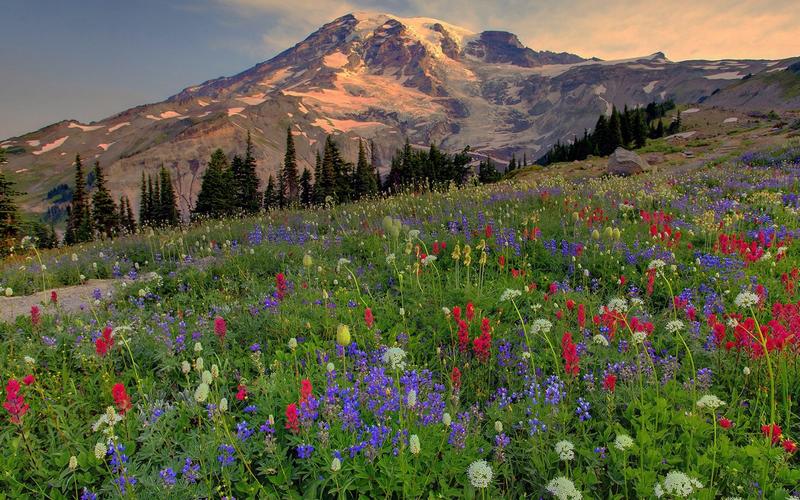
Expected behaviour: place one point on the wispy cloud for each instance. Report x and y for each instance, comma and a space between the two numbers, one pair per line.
684, 29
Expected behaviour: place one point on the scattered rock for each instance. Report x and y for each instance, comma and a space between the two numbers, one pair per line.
623, 162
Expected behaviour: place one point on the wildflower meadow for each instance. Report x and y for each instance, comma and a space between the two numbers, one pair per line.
594, 338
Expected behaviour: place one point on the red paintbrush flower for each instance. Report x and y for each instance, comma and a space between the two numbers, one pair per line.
29, 379
280, 286
789, 445
105, 342
292, 421
36, 315
368, 318
121, 398
581, 316
241, 395
455, 378
53, 297
463, 336
305, 390
220, 328
569, 352
772, 431
15, 402
725, 423
610, 382
470, 311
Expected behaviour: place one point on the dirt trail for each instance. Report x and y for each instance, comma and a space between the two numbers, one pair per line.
70, 299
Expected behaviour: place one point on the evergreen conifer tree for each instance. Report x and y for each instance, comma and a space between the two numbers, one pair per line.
168, 203
104, 211
79, 223
289, 173
270, 196
9, 215
306, 188
215, 198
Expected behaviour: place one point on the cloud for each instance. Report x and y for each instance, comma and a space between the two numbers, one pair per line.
683, 29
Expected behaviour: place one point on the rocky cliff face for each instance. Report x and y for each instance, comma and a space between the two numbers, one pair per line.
378, 77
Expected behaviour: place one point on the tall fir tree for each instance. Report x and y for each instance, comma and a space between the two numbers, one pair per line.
247, 198
270, 196
306, 188
168, 203
373, 163
104, 211
79, 223
143, 203
614, 132
289, 172
215, 198
364, 179
318, 199
9, 215
326, 185
130, 222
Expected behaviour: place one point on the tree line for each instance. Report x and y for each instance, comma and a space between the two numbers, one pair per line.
629, 129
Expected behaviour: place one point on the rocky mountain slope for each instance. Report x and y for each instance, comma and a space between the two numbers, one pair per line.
384, 78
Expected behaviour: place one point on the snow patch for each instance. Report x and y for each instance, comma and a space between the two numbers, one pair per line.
105, 147
118, 126
599, 89
690, 111
235, 111
732, 119
777, 69
204, 114
21, 170
202, 103
51, 146
155, 118
85, 128
682, 135
34, 143
728, 75
650, 86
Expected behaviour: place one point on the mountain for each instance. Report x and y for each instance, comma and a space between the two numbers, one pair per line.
383, 77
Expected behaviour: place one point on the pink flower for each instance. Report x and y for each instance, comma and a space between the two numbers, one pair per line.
220, 328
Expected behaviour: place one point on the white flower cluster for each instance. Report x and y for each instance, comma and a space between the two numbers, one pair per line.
565, 450
675, 326
541, 326
618, 305
709, 402
623, 442
563, 489
480, 474
414, 445
510, 294
108, 420
600, 340
639, 337
429, 259
395, 358
656, 264
677, 484
746, 300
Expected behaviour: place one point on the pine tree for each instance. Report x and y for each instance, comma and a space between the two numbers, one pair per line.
364, 179
280, 193
660, 129
248, 183
317, 177
626, 127
143, 207
270, 200
487, 172
289, 173
614, 132
130, 222
640, 130
79, 223
152, 216
373, 163
104, 211
326, 184
9, 216
215, 198
512, 165
525, 158
168, 203
306, 189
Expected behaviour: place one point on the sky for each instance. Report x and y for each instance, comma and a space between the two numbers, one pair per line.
88, 59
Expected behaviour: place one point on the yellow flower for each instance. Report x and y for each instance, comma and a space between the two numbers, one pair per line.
343, 335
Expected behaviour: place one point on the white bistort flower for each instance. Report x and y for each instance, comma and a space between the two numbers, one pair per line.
395, 358
619, 305
656, 264
429, 259
675, 326
709, 402
623, 442
201, 393
541, 326
510, 294
563, 489
414, 445
480, 474
746, 300
565, 450
677, 484
639, 337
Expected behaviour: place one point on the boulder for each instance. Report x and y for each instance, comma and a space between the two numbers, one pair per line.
623, 162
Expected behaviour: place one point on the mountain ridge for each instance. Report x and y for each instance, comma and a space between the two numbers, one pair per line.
382, 78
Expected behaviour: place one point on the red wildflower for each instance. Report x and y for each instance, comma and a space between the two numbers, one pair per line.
292, 421
121, 398
470, 311
305, 390
789, 445
241, 395
581, 316
369, 319
502, 261
483, 344
463, 335
29, 379
488, 231
280, 286
569, 352
559, 314
651, 280
54, 297
456, 313
570, 304
610, 382
104, 342
725, 423
36, 315
455, 378
773, 431
220, 328
435, 248
15, 402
